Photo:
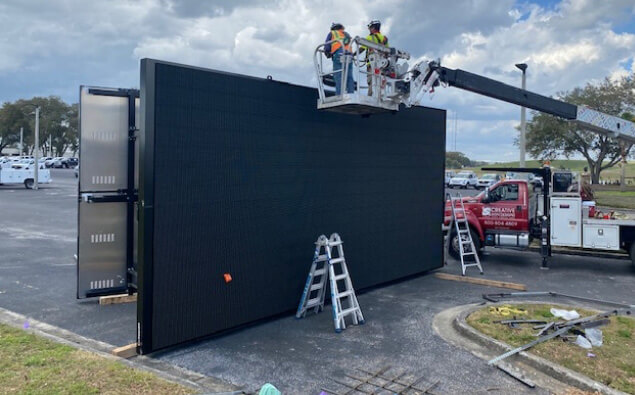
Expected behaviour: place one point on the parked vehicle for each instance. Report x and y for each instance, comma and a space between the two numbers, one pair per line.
5, 161
464, 179
487, 180
24, 174
26, 164
70, 162
448, 176
510, 214
49, 162
57, 162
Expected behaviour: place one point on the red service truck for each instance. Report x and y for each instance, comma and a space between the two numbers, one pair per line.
511, 213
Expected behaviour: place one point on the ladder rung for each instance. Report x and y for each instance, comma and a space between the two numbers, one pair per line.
471, 264
340, 277
313, 302
316, 286
321, 258
348, 311
464, 231
345, 294
335, 243
469, 253
336, 260
319, 272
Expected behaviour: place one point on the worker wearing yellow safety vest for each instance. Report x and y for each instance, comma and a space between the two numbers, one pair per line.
375, 36
335, 50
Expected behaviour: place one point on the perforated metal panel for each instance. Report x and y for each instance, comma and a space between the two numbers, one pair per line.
104, 142
240, 175
102, 248
102, 260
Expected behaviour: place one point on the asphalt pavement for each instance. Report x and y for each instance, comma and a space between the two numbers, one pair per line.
38, 279
38, 272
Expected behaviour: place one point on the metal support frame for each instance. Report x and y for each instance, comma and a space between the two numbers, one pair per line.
130, 194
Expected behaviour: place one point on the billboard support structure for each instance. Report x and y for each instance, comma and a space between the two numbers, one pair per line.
91, 195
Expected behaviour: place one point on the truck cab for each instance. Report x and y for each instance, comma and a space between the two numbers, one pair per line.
503, 215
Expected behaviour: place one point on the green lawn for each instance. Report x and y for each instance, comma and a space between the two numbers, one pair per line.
33, 365
613, 363
615, 199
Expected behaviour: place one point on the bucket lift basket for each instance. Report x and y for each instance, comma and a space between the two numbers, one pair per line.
367, 58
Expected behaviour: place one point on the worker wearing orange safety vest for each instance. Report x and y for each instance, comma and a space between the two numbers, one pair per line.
375, 36
335, 50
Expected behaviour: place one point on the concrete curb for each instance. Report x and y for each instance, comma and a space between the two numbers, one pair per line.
187, 378
542, 365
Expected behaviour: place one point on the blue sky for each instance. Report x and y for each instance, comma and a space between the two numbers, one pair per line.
50, 48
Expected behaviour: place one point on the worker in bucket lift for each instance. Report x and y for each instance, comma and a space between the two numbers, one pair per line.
375, 36
337, 50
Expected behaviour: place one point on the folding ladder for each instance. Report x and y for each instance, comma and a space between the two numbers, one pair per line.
464, 237
325, 267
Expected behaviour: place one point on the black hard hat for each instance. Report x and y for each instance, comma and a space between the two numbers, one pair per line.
336, 26
376, 23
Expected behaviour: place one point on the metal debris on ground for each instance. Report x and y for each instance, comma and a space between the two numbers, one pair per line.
562, 329
517, 375
381, 382
497, 297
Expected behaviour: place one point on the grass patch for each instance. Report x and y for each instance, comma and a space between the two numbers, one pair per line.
613, 365
33, 365
615, 199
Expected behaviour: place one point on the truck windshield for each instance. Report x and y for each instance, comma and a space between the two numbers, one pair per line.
463, 175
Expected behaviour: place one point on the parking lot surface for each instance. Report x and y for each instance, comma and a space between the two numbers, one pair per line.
38, 275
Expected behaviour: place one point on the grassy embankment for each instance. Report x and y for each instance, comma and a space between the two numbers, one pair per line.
612, 364
33, 365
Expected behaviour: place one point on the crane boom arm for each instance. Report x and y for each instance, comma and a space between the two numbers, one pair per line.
584, 117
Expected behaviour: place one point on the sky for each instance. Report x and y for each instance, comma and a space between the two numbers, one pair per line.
52, 47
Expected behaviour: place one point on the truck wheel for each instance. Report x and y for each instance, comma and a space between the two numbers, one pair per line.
454, 244
28, 183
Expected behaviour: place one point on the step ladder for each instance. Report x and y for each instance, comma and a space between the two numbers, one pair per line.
330, 267
464, 238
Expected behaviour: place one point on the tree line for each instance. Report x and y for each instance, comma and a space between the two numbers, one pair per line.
458, 160
58, 125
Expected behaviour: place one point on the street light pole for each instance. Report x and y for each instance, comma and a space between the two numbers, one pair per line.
523, 111
37, 144
21, 141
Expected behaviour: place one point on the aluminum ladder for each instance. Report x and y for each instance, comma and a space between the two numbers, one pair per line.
327, 267
464, 237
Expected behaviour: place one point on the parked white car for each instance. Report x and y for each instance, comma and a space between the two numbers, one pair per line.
25, 164
487, 180
464, 179
57, 162
448, 176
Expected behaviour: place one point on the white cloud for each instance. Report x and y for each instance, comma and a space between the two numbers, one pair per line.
51, 47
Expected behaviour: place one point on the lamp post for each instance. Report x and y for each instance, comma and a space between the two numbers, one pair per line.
523, 110
37, 144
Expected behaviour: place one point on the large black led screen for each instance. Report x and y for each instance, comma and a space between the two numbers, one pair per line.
240, 176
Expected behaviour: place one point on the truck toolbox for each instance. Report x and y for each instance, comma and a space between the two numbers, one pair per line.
601, 236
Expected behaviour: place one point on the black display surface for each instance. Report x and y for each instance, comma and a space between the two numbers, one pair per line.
240, 175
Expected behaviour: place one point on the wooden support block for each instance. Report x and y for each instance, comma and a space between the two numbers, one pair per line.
481, 281
116, 299
126, 352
